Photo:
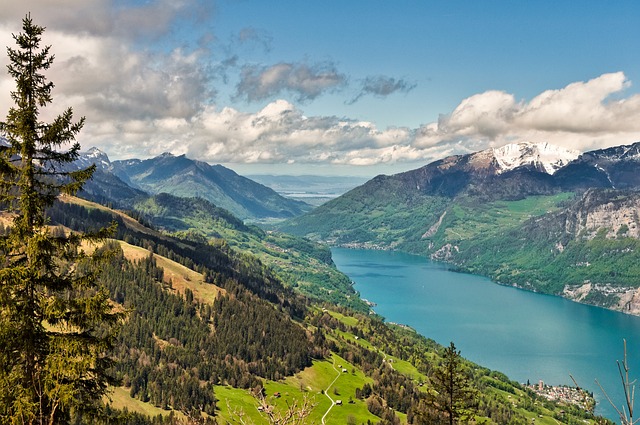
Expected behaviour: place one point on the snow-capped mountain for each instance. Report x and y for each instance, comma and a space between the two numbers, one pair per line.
93, 156
542, 156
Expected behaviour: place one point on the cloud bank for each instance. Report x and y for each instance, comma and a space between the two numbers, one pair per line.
582, 116
141, 102
579, 116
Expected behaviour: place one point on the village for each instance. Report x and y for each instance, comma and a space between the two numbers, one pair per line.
564, 394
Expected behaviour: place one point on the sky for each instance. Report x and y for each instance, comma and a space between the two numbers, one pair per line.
337, 87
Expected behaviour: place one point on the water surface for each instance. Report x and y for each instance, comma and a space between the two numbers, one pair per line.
527, 336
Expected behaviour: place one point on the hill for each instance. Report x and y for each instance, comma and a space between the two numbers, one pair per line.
524, 215
298, 262
212, 335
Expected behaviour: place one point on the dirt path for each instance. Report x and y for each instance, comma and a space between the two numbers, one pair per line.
326, 392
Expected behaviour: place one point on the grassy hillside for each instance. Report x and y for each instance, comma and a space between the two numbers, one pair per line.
300, 263
178, 278
182, 353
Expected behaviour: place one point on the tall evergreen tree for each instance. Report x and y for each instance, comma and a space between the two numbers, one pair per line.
56, 325
454, 396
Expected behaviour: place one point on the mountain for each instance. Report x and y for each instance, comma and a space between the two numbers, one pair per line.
511, 171
540, 156
300, 263
528, 215
181, 176
615, 168
395, 204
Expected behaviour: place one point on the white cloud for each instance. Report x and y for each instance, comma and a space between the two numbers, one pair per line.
280, 133
581, 116
140, 103
579, 107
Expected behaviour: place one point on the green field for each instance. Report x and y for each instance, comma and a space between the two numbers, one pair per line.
312, 384
119, 398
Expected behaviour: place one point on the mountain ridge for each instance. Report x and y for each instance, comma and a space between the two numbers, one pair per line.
182, 176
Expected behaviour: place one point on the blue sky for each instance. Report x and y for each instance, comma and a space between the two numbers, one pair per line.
339, 87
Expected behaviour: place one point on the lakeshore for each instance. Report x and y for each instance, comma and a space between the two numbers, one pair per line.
564, 394
519, 333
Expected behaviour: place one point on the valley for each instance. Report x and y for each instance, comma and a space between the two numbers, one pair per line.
207, 285
572, 233
256, 323
494, 256
500, 233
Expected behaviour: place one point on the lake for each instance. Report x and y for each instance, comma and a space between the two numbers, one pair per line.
525, 335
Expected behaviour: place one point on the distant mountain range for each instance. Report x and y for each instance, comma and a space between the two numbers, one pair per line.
181, 176
314, 190
532, 215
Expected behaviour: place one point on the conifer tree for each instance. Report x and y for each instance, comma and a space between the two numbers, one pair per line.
56, 326
453, 394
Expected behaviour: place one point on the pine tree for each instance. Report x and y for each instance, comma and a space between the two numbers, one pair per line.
56, 325
453, 394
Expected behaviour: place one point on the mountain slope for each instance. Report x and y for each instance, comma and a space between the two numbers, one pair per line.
300, 263
615, 168
393, 211
183, 352
181, 176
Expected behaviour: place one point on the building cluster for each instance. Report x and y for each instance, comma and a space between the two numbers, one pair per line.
564, 394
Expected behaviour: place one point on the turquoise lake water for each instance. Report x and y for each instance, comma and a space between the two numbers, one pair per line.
525, 335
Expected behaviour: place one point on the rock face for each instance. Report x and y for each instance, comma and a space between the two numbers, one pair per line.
626, 299
615, 213
630, 302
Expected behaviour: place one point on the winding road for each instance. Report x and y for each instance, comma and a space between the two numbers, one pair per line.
326, 392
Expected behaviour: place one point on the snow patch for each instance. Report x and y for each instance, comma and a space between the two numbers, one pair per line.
543, 156
93, 156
